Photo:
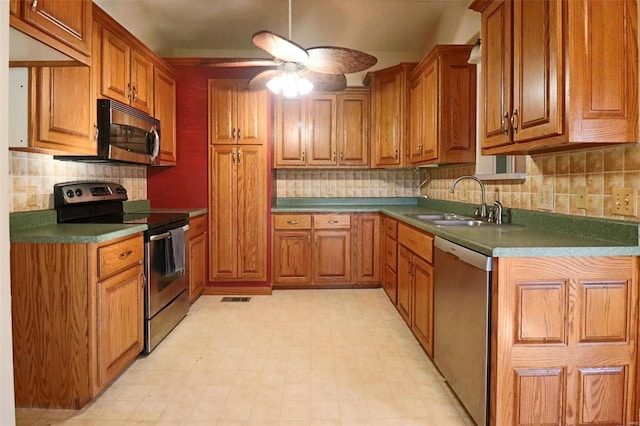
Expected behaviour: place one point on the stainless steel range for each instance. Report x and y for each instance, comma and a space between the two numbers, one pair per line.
166, 296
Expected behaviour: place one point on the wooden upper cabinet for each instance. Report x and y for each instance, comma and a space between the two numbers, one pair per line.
236, 114
68, 22
165, 111
389, 102
62, 118
352, 136
126, 75
442, 119
325, 129
533, 52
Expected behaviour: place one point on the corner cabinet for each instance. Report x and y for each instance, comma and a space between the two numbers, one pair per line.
77, 312
63, 25
389, 114
534, 51
237, 115
323, 130
565, 341
442, 98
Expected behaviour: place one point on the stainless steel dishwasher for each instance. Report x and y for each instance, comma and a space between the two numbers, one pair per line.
462, 307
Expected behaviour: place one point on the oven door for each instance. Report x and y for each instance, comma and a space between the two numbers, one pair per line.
164, 281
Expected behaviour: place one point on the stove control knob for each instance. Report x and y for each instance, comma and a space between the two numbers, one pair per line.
70, 193
79, 192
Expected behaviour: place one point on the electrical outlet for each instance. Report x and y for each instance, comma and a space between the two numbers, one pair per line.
581, 200
546, 198
623, 201
32, 196
329, 190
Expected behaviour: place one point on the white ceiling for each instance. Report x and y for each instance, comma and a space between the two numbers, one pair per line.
392, 30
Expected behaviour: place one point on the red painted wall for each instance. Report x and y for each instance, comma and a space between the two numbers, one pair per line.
185, 184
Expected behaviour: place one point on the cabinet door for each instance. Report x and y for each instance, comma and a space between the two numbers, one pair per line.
431, 113
405, 283
115, 77
292, 257
141, 83
68, 21
496, 73
422, 323
353, 129
251, 219
197, 261
367, 248
289, 132
416, 118
165, 111
120, 314
14, 7
390, 284
65, 114
321, 130
538, 51
388, 119
332, 256
223, 214
252, 115
222, 111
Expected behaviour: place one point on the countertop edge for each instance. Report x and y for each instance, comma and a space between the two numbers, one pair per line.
56, 234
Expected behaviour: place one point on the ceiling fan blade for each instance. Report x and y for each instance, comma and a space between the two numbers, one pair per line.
260, 81
233, 63
323, 82
338, 60
279, 47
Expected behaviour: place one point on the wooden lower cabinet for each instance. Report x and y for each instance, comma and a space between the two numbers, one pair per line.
197, 256
415, 283
389, 257
325, 250
77, 312
565, 341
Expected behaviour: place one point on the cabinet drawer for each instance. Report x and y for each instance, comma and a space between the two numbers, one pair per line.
418, 242
390, 228
119, 256
292, 221
197, 226
331, 221
390, 252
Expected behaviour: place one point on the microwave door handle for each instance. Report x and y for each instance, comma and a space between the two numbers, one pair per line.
156, 143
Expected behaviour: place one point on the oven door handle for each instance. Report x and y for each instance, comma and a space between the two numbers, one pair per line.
165, 235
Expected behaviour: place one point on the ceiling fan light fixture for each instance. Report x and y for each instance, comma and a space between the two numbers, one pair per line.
290, 84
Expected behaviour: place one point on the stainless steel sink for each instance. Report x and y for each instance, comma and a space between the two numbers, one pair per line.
460, 222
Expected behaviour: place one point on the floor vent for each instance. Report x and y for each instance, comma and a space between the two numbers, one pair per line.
235, 299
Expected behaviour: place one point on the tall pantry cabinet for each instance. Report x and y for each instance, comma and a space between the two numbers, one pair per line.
237, 182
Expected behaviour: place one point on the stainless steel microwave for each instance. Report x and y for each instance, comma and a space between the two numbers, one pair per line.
124, 135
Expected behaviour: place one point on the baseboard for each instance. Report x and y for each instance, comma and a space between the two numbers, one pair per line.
224, 291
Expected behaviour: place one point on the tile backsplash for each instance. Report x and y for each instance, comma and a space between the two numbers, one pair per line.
347, 183
39, 172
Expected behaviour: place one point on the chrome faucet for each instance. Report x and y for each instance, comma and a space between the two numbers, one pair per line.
483, 206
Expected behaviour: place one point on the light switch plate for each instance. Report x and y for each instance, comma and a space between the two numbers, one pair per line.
623, 201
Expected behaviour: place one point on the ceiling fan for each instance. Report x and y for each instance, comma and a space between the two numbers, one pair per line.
296, 71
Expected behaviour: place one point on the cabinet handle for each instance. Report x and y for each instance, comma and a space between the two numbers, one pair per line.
34, 4
135, 93
303, 156
514, 121
503, 124
293, 222
334, 156
309, 238
396, 154
95, 126
233, 156
239, 155
233, 133
333, 222
341, 156
126, 254
129, 91
239, 135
